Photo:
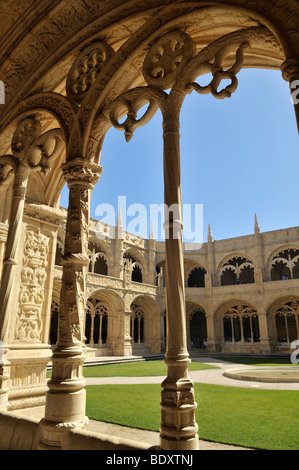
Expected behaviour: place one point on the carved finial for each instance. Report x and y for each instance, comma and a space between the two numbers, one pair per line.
119, 224
119, 221
152, 234
210, 235
256, 225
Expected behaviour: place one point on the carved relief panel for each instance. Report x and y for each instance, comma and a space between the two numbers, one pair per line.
32, 287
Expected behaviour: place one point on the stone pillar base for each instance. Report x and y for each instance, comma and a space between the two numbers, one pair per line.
185, 445
27, 377
54, 433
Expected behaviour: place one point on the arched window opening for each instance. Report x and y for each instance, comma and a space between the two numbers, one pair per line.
136, 274
98, 260
137, 324
240, 324
96, 323
198, 328
136, 269
100, 266
286, 322
237, 270
54, 322
197, 277
285, 265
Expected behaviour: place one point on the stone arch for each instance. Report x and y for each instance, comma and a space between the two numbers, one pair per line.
101, 95
100, 261
284, 321
145, 324
236, 269
101, 317
238, 324
167, 13
49, 145
283, 263
196, 277
135, 262
196, 325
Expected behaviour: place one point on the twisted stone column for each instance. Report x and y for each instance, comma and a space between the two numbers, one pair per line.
178, 427
65, 401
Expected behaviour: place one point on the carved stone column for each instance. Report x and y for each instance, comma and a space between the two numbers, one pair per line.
11, 253
178, 426
290, 73
65, 401
172, 64
29, 153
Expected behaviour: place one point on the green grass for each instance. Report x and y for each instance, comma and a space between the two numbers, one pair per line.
264, 419
137, 369
258, 361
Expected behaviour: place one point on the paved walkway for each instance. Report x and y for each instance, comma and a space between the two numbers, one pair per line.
210, 376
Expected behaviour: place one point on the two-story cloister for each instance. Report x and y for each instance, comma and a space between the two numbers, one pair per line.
241, 293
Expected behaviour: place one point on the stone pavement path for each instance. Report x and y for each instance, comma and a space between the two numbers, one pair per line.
210, 376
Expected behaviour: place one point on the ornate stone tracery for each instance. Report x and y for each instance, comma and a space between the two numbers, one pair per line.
86, 68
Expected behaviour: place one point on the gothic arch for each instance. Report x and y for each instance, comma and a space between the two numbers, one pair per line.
238, 323
196, 325
167, 18
145, 322
236, 269
136, 263
196, 276
283, 315
284, 263
104, 309
98, 313
71, 19
101, 260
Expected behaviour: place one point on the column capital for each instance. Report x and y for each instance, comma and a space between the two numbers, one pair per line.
81, 171
290, 69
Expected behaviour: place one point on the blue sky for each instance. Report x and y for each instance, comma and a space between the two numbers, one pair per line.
239, 156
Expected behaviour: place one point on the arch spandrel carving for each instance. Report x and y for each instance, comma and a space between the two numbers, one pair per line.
147, 31
278, 19
228, 51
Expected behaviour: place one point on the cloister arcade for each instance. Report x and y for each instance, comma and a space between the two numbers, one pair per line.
72, 70
235, 324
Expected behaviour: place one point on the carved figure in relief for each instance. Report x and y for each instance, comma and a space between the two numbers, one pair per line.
33, 278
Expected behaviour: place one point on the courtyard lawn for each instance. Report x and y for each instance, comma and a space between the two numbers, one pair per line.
258, 361
137, 369
261, 419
